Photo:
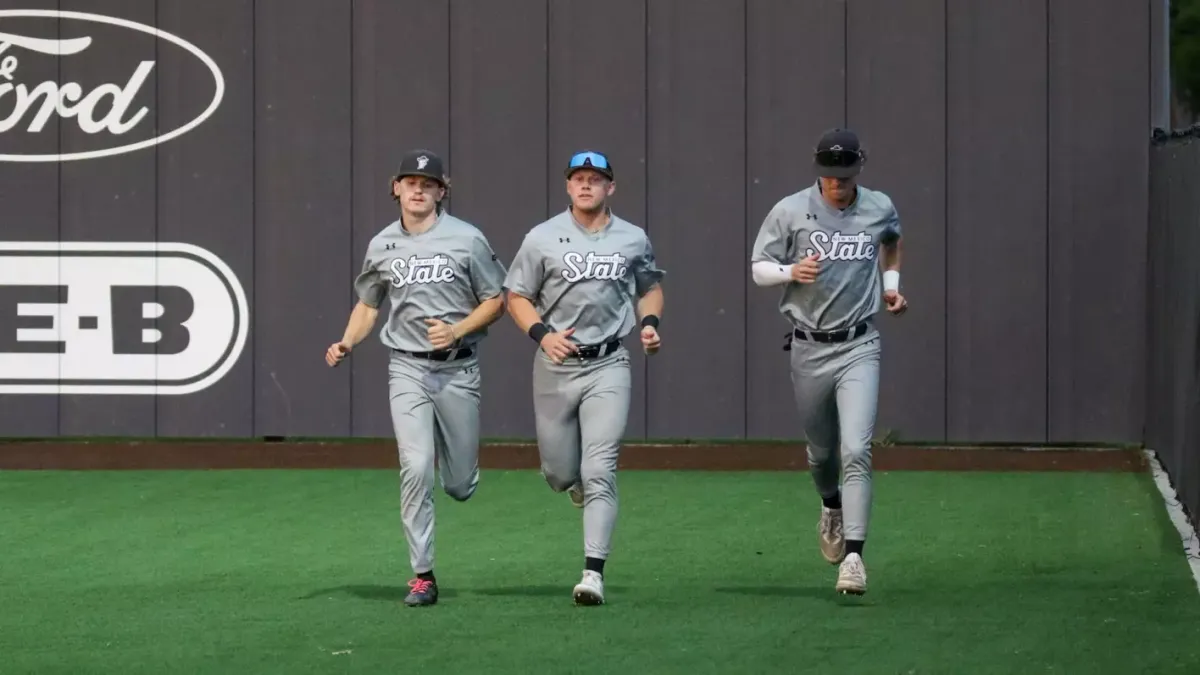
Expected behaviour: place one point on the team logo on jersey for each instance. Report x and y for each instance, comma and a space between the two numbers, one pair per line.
838, 246
593, 266
432, 270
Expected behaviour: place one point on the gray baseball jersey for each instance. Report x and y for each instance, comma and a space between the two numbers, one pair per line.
589, 282
849, 286
443, 273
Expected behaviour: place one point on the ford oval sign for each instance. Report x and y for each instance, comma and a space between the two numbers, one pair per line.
105, 108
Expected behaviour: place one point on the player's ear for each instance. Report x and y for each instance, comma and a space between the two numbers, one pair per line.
612, 187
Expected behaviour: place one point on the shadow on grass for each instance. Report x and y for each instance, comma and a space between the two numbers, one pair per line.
538, 591
816, 593
373, 592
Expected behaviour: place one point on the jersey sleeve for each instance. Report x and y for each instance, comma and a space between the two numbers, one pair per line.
771, 244
891, 226
370, 284
525, 275
487, 272
646, 272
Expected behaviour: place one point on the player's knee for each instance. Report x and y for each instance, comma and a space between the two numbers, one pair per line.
599, 476
558, 480
856, 457
415, 467
461, 492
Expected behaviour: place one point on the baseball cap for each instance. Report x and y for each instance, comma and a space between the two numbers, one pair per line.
838, 154
590, 159
422, 163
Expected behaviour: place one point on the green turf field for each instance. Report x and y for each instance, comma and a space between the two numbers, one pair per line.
264, 572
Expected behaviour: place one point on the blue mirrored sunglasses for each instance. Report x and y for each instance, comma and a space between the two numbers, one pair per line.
589, 159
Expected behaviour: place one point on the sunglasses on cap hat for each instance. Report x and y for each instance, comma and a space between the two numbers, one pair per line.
590, 160
837, 157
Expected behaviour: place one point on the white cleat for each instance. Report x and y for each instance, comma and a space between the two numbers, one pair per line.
832, 538
852, 575
590, 589
576, 494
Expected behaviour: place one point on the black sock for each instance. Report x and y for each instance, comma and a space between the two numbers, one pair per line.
427, 576
594, 564
855, 546
834, 502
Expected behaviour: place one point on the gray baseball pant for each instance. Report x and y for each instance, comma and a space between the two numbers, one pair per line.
435, 414
837, 389
581, 408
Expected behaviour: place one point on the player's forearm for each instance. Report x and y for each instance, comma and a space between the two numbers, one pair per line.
481, 317
362, 320
891, 255
651, 303
767, 273
522, 312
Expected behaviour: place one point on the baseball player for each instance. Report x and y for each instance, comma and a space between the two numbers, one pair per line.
574, 288
444, 286
824, 245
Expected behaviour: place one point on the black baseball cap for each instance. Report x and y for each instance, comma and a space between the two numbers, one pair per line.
422, 163
590, 159
838, 154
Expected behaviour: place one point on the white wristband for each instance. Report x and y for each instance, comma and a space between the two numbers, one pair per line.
891, 280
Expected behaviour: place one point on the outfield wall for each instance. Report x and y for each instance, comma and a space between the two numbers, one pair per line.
269, 129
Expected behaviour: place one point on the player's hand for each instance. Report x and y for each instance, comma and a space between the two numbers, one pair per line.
650, 340
896, 304
336, 352
558, 347
805, 271
441, 334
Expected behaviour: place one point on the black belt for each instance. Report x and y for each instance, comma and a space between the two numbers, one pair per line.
444, 355
827, 336
596, 351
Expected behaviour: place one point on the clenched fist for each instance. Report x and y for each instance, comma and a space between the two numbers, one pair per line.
441, 334
650, 340
336, 352
806, 270
896, 304
558, 347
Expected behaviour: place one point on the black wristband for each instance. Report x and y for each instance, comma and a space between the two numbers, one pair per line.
538, 331
650, 320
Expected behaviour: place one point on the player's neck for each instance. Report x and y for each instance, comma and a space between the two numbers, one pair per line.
591, 221
415, 224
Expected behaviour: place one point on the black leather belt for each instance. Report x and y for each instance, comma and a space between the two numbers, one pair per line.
444, 355
596, 351
828, 336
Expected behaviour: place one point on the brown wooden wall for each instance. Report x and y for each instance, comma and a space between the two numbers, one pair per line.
1020, 174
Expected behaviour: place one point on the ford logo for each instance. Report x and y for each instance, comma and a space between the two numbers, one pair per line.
103, 108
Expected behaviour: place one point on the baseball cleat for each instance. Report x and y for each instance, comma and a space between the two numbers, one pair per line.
576, 493
590, 589
832, 538
424, 592
852, 576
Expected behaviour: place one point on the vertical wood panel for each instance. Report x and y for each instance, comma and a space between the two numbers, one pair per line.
206, 184
616, 127
896, 78
498, 152
996, 222
29, 211
697, 211
394, 111
303, 233
108, 199
1099, 131
796, 90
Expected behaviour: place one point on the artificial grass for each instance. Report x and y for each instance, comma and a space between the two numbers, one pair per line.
263, 572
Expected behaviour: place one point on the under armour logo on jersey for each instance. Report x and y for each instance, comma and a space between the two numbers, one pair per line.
390, 246
421, 162
838, 246
433, 270
564, 240
810, 216
604, 267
